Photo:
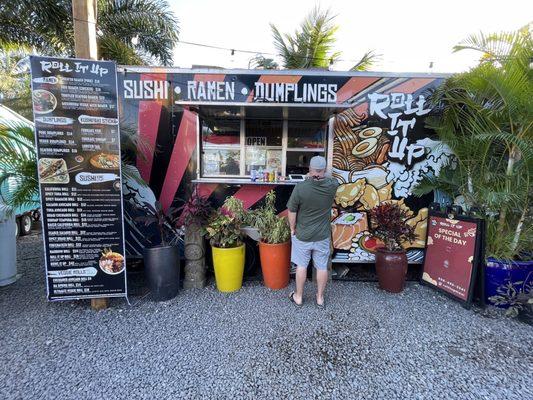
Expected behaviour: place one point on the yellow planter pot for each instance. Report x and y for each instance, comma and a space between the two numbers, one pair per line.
229, 267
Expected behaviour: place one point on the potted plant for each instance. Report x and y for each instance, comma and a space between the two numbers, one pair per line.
193, 216
388, 222
274, 243
517, 297
226, 238
485, 120
162, 262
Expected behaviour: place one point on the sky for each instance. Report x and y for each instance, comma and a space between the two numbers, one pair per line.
408, 34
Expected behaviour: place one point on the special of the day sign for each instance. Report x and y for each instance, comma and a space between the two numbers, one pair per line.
453, 251
77, 138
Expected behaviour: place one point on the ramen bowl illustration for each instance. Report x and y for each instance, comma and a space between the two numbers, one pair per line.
370, 133
365, 147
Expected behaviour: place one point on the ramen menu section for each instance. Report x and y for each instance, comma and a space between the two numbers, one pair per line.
77, 137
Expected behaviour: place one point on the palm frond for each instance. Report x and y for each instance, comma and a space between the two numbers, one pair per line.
366, 62
47, 27
262, 62
18, 165
486, 116
151, 21
311, 45
130, 173
111, 47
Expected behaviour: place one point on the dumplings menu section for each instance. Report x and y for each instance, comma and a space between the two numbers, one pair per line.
77, 139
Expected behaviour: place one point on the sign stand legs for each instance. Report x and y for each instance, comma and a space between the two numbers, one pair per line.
99, 304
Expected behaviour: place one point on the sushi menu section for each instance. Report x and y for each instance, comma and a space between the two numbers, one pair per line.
77, 138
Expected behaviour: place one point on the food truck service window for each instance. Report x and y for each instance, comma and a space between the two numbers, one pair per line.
258, 138
263, 144
305, 139
221, 147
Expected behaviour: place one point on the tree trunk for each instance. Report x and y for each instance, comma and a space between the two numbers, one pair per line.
194, 257
518, 230
514, 155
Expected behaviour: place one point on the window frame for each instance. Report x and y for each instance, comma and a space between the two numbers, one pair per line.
325, 150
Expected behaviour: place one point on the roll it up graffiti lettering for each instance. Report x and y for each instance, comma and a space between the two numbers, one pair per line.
402, 107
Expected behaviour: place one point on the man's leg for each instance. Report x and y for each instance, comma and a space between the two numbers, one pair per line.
321, 282
300, 255
301, 276
321, 253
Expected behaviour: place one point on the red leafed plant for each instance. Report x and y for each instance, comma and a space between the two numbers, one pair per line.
388, 223
196, 210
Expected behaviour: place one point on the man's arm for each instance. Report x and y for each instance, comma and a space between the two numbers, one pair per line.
292, 206
292, 222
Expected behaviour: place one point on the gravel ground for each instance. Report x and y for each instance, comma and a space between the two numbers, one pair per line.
254, 344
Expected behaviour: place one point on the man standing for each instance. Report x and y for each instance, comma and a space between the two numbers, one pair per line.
309, 218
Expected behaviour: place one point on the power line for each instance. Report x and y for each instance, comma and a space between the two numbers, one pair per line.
330, 60
233, 50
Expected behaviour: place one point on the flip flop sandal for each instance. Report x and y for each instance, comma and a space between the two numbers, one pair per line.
291, 298
321, 306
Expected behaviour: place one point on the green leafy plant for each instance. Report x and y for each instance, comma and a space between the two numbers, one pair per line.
129, 32
224, 227
19, 185
18, 166
262, 62
272, 228
517, 295
388, 222
15, 92
311, 46
486, 120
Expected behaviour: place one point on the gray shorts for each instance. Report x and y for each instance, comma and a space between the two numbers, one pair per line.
301, 253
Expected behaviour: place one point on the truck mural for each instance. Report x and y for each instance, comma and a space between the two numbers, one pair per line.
375, 140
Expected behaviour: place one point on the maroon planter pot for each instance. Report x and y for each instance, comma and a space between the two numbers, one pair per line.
391, 267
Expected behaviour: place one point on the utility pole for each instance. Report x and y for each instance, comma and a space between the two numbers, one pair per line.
84, 16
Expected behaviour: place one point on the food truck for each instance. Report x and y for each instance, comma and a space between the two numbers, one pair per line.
246, 132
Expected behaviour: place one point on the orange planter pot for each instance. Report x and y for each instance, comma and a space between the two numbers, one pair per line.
275, 264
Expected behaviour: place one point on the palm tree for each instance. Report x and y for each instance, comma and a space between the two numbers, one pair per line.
15, 90
130, 32
19, 185
18, 166
312, 45
487, 121
262, 62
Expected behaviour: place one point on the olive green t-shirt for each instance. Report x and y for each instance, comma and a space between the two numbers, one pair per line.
312, 201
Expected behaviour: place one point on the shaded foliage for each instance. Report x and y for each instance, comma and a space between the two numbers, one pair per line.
486, 120
46, 26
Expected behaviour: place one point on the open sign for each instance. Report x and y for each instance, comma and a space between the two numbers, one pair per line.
256, 141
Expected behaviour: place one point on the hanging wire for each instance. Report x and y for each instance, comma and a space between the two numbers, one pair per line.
264, 53
330, 60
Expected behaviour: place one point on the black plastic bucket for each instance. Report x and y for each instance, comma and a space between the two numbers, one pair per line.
162, 270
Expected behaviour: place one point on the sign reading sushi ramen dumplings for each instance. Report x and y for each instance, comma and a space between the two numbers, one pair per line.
453, 252
77, 139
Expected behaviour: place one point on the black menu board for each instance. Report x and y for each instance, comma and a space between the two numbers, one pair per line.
77, 139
